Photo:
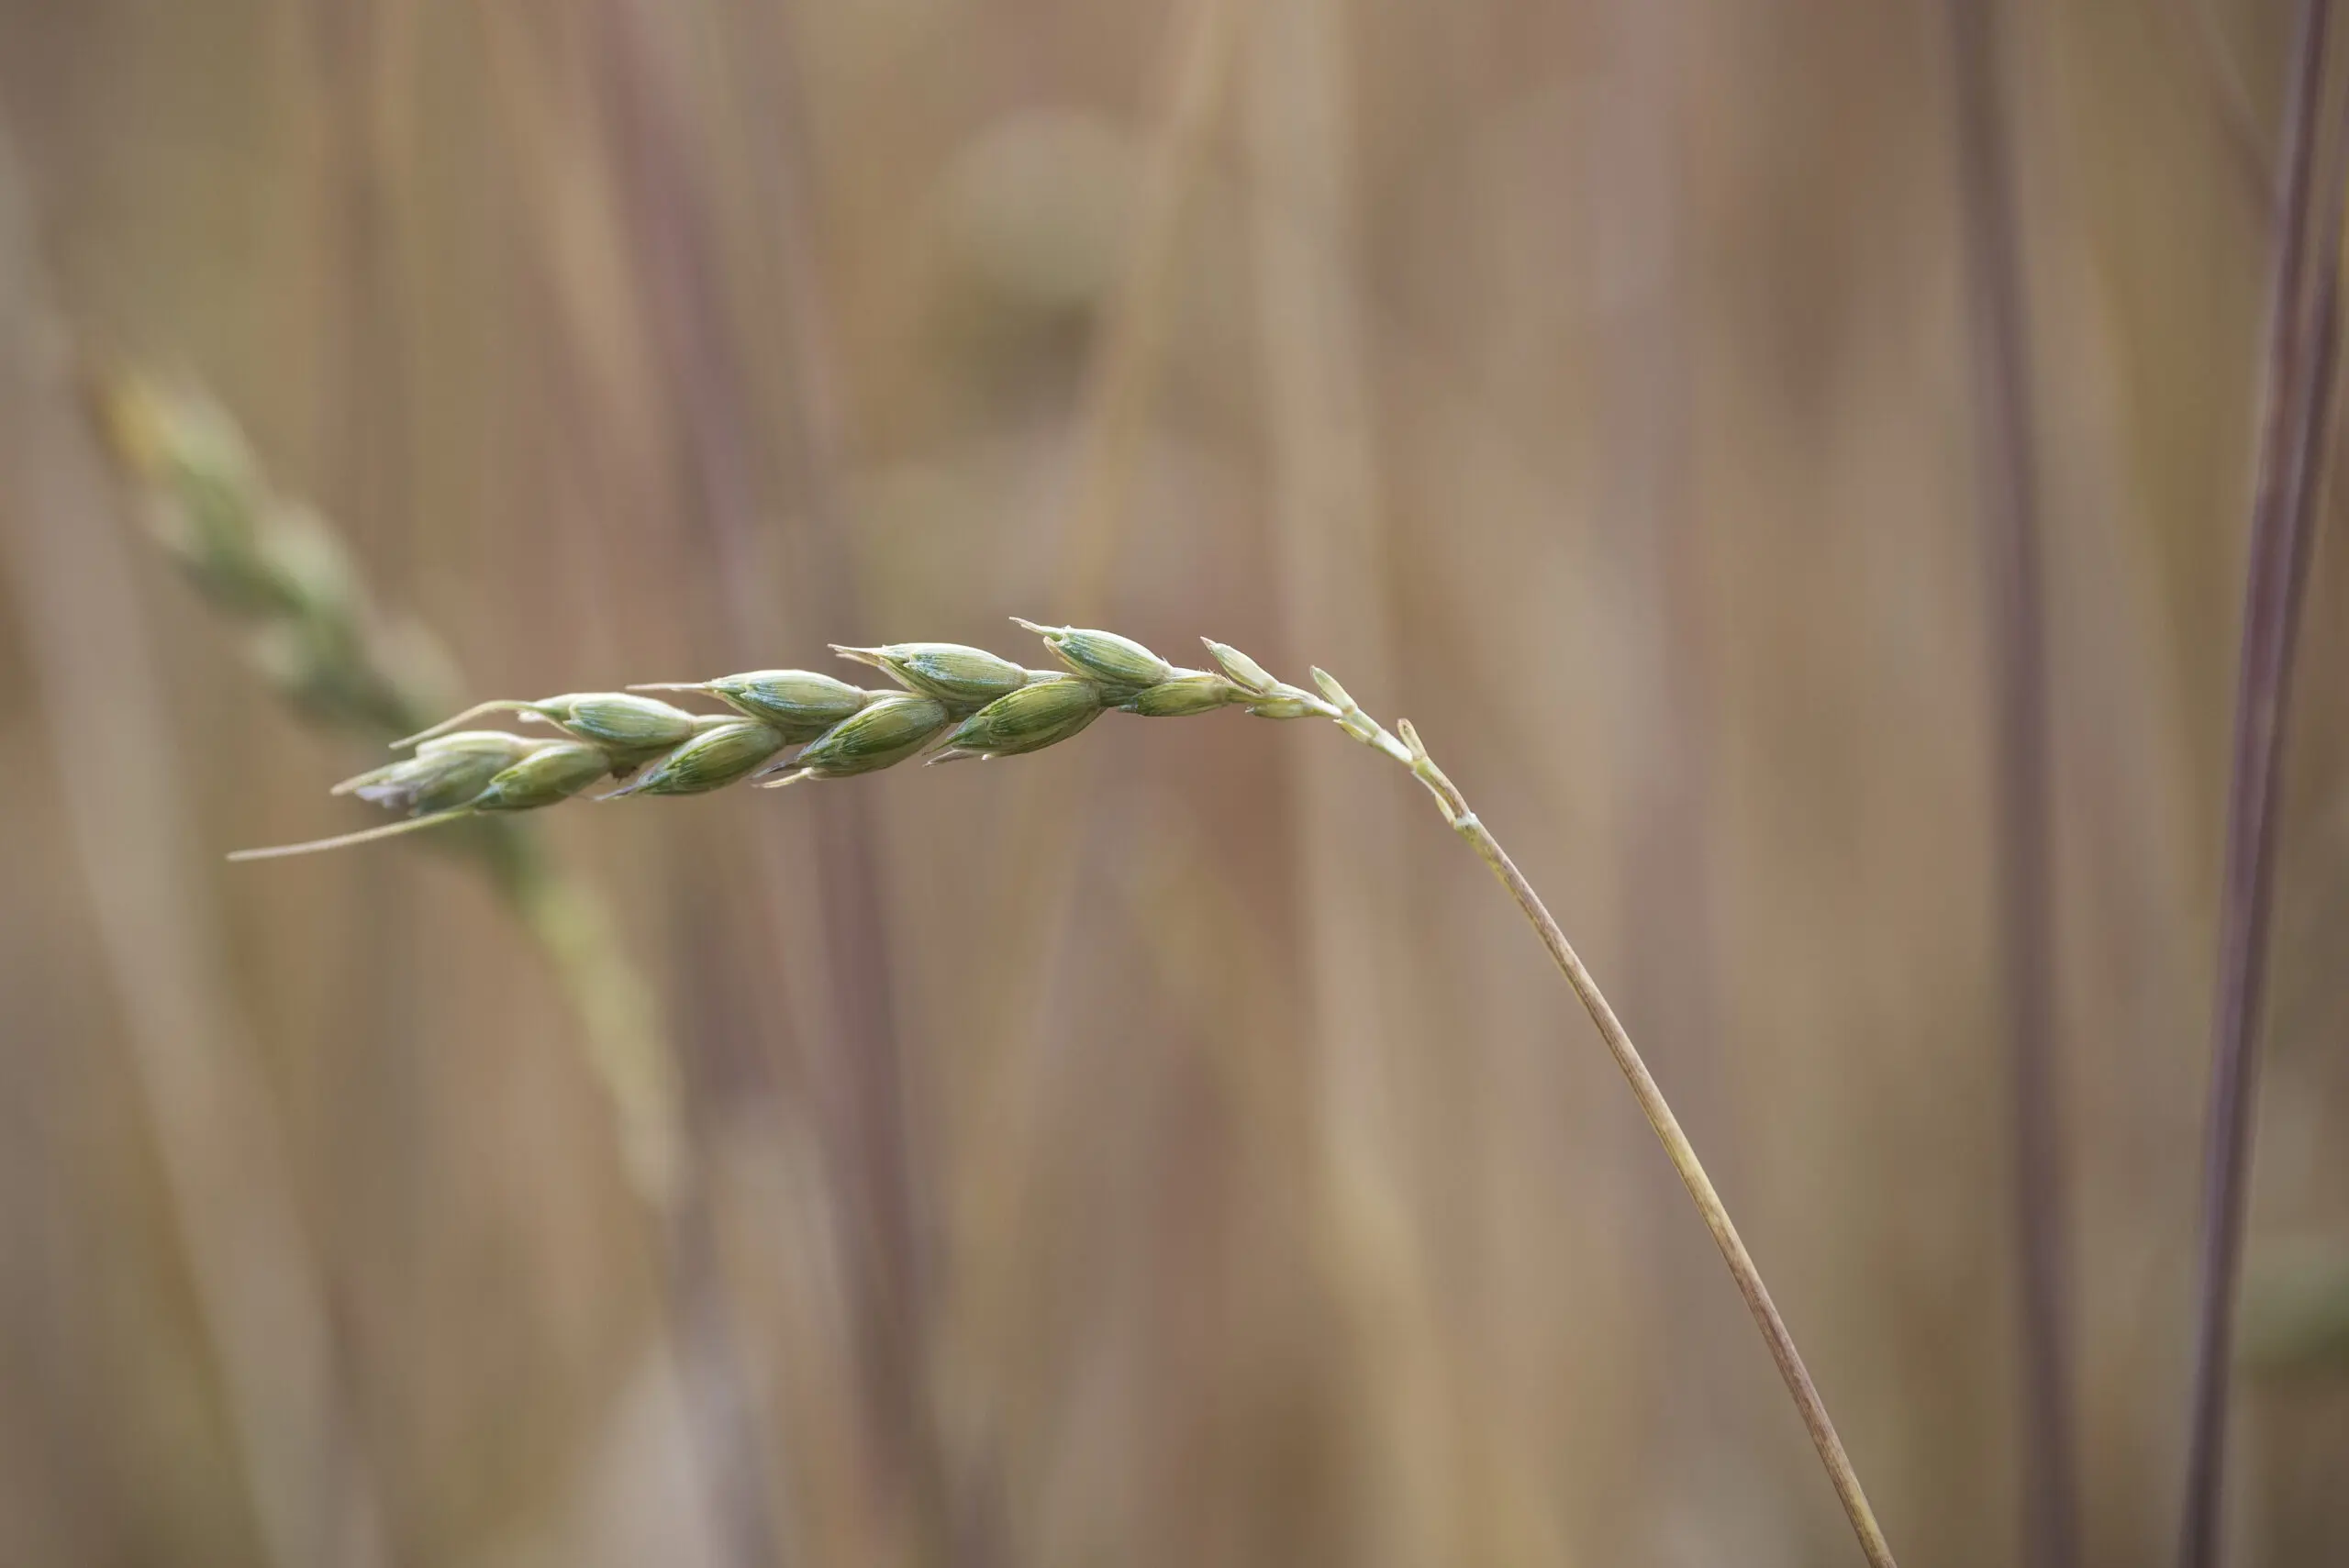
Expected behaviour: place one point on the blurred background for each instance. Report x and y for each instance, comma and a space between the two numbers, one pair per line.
1171, 1148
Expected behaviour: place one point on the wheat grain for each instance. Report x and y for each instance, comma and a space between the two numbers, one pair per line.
1029, 720
727, 751
798, 704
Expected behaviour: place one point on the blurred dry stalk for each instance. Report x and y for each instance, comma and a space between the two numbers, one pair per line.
2302, 364
2014, 573
274, 565
208, 1104
2219, 73
1037, 860
834, 955
1655, 543
1328, 557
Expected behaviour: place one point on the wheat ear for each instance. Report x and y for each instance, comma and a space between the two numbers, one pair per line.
959, 703
274, 567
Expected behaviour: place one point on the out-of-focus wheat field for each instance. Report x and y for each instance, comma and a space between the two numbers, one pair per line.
1171, 1148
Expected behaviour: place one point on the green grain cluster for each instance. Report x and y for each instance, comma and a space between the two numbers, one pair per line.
953, 704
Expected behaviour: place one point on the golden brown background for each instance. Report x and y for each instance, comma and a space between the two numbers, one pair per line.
1169, 1149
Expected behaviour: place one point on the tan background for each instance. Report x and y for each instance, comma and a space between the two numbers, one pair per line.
1169, 1149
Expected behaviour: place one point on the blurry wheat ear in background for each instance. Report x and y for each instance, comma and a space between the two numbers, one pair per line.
1103, 1156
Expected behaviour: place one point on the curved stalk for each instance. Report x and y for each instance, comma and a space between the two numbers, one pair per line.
1677, 1148
1413, 754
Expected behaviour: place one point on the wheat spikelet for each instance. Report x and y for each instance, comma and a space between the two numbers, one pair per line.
953, 704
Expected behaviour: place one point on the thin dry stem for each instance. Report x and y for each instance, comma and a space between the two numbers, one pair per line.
1413, 753
1676, 1146
2010, 527
2303, 349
